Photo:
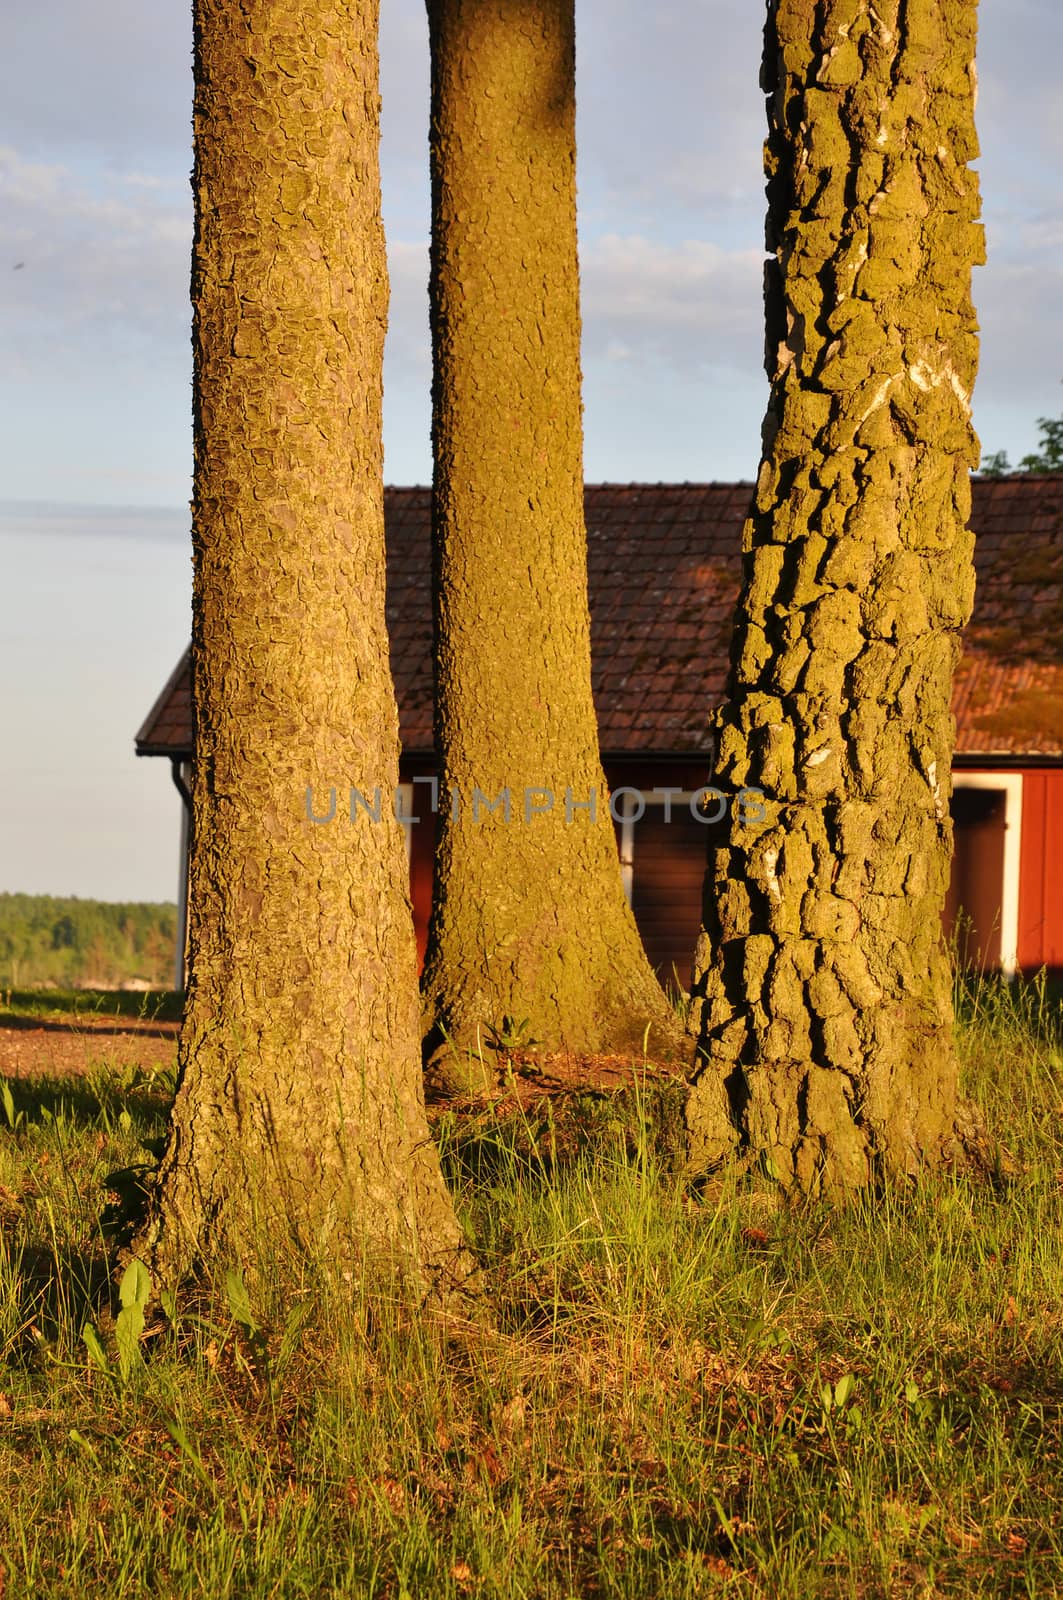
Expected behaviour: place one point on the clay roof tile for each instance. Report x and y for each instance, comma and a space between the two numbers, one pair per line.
664, 568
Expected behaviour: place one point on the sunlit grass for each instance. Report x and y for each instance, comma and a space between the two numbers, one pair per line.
679, 1396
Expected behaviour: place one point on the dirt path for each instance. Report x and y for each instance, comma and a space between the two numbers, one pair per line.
55, 1044
67, 1044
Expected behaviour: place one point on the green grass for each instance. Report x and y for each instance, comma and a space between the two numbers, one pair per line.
680, 1397
164, 1005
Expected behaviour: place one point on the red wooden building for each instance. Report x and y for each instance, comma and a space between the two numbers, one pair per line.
665, 565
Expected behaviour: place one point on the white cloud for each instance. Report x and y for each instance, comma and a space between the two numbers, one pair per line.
409, 344
95, 108
98, 266
150, 180
683, 306
110, 77
671, 115
1020, 308
680, 306
1039, 237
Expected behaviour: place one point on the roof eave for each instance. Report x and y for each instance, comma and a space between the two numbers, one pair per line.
144, 745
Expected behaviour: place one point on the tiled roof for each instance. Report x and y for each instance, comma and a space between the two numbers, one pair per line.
1008, 693
167, 728
664, 568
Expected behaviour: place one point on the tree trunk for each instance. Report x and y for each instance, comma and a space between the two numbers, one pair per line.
529, 918
299, 1112
826, 1036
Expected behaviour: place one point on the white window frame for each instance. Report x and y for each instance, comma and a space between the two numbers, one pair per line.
1011, 785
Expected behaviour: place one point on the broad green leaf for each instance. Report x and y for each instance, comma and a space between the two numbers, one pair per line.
135, 1287
97, 1354
127, 1330
844, 1388
239, 1301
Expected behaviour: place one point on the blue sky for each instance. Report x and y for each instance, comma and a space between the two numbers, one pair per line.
95, 225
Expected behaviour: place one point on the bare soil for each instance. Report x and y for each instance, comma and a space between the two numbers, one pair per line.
509, 1080
67, 1044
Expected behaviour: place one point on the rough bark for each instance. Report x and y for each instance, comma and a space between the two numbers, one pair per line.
826, 1037
299, 1113
529, 918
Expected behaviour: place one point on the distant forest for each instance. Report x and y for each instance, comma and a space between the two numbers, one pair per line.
83, 944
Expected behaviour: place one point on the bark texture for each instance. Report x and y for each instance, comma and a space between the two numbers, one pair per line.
826, 1034
529, 918
299, 1112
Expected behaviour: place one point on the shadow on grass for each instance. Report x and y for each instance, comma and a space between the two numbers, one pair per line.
536, 1143
153, 1005
1029, 1006
17, 1022
1009, 1364
58, 1292
78, 1103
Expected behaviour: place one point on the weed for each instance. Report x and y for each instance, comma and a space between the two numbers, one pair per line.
510, 1034
681, 1397
16, 1120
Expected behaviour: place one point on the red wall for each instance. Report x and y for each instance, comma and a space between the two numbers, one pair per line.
422, 850
1041, 859
1041, 870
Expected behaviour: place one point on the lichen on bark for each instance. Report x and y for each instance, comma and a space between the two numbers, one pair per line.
826, 1030
529, 919
299, 1118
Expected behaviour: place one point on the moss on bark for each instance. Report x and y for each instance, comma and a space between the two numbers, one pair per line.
529, 918
826, 1037
299, 1113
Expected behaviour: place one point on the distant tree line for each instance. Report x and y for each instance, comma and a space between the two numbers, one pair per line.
84, 943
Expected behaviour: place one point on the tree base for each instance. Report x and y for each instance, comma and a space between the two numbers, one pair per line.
820, 1149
